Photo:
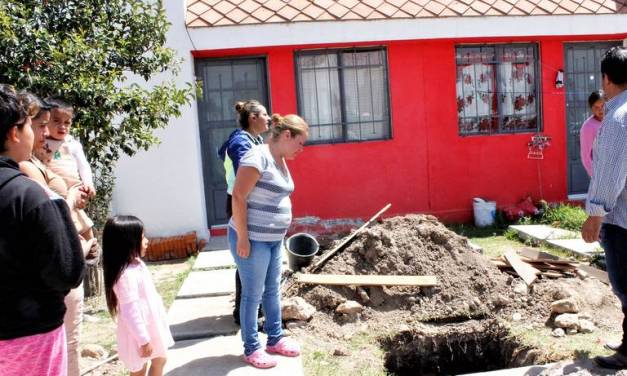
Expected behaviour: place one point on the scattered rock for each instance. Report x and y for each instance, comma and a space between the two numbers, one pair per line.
296, 308
363, 295
501, 301
295, 324
586, 326
521, 288
94, 351
516, 316
558, 332
349, 307
340, 351
567, 321
568, 305
571, 331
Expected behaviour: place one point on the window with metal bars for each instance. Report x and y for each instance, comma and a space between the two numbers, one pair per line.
343, 94
497, 89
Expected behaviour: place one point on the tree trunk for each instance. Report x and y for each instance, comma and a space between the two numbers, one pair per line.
93, 281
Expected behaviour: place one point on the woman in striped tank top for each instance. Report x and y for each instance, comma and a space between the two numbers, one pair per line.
262, 212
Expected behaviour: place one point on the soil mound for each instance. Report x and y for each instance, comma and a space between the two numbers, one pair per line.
469, 285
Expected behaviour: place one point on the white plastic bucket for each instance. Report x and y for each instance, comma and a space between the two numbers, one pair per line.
484, 211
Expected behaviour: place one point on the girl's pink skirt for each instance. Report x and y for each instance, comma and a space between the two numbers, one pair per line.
40, 354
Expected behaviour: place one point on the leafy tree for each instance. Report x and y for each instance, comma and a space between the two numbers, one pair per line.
83, 51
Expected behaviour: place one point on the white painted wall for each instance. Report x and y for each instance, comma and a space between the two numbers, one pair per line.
164, 186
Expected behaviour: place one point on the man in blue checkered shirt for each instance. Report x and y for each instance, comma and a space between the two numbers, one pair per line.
607, 195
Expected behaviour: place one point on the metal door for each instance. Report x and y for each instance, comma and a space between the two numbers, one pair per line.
582, 76
224, 81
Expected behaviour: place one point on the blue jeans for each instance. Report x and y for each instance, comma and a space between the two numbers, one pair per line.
260, 275
614, 242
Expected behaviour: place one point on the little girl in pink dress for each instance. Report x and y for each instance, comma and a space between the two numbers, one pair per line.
143, 333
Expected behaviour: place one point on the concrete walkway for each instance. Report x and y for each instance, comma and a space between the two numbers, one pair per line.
569, 241
201, 321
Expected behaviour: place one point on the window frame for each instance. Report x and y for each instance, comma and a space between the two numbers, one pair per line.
499, 47
386, 118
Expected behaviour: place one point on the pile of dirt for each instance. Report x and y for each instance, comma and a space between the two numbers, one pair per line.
469, 286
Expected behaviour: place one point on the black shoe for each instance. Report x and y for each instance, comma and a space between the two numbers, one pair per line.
616, 361
614, 346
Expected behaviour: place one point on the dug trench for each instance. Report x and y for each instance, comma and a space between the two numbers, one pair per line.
458, 326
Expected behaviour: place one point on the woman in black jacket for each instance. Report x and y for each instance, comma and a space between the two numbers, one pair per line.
41, 257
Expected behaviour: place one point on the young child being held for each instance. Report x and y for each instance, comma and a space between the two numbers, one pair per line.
68, 158
143, 333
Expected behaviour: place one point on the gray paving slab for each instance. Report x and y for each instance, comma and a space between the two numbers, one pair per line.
202, 317
543, 232
216, 243
222, 356
200, 284
214, 260
583, 367
577, 246
521, 371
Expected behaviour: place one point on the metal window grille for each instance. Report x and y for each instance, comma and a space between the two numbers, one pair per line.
497, 89
343, 94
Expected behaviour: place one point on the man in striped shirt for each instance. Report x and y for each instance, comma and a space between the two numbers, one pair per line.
606, 204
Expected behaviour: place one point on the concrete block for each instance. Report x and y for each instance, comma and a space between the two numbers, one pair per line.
222, 356
578, 246
543, 232
202, 317
214, 260
208, 283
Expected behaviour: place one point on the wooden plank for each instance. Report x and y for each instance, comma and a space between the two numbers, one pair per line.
596, 273
366, 280
332, 252
552, 274
500, 263
534, 254
527, 272
541, 261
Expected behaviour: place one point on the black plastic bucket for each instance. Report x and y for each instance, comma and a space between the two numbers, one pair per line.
301, 249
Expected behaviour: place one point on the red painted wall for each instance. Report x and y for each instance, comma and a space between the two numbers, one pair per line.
426, 167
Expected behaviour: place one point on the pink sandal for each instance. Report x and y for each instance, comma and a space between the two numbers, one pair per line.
285, 347
260, 359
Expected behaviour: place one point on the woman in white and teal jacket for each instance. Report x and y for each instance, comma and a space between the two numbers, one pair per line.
253, 120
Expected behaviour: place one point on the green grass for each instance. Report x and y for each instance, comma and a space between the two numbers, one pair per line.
495, 240
169, 285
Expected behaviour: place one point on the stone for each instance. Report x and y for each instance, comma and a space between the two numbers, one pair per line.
340, 351
567, 321
349, 307
571, 331
586, 326
516, 316
363, 295
295, 324
521, 288
94, 351
558, 332
568, 305
296, 308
